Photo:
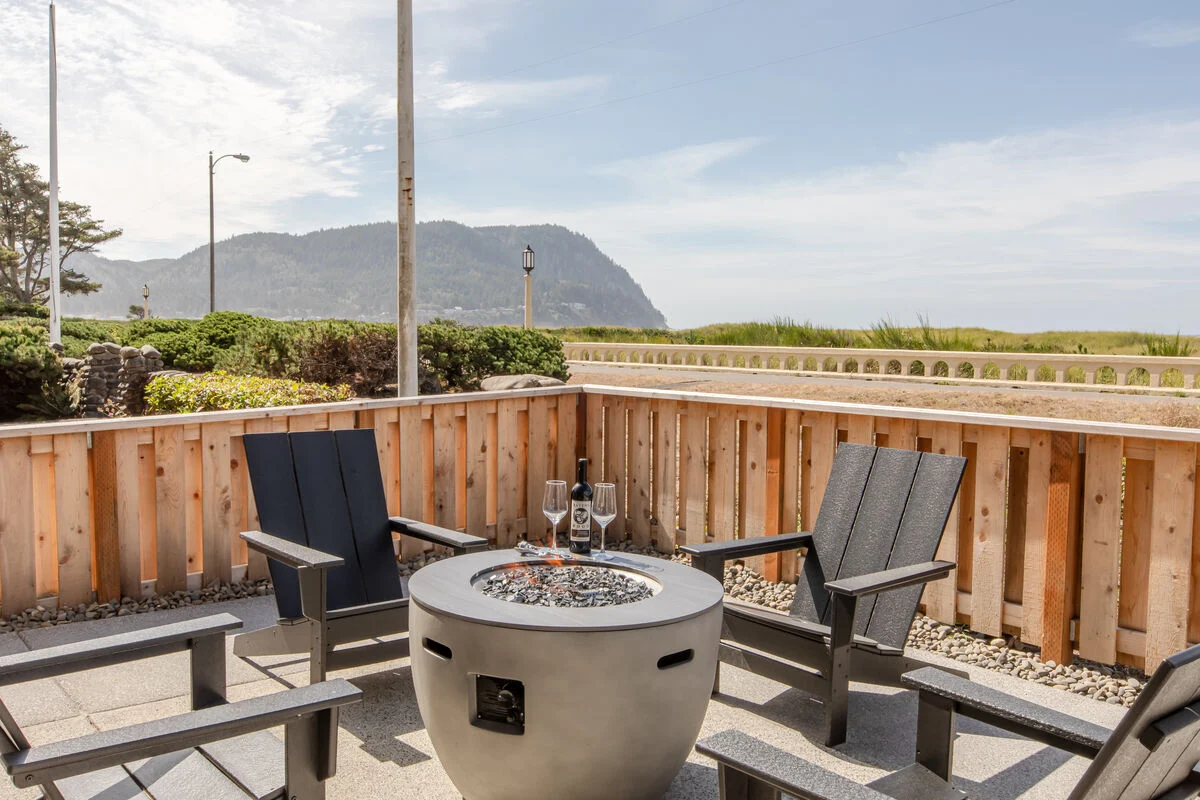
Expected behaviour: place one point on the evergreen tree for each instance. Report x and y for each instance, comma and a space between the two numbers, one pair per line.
25, 232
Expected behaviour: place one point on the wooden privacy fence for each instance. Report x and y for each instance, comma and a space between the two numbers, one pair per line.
110, 508
1065, 532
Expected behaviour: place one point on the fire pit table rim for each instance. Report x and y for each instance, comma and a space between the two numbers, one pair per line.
449, 587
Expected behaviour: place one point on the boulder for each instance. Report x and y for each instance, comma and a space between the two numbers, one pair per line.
130, 352
96, 349
527, 381
112, 347
150, 351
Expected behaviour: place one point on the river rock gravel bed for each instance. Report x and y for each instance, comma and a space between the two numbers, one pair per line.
42, 617
1117, 685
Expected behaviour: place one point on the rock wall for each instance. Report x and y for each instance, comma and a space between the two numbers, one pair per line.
114, 378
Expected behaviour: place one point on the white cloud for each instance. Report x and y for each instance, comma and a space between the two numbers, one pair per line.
306, 87
680, 164
1058, 224
489, 98
1158, 33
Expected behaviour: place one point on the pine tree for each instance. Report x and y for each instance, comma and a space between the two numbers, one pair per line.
25, 232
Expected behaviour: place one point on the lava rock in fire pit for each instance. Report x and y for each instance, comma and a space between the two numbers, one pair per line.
565, 587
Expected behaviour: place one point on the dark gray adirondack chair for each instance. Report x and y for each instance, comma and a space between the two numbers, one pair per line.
223, 748
328, 536
867, 559
1153, 754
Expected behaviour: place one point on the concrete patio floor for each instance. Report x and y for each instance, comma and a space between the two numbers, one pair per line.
385, 752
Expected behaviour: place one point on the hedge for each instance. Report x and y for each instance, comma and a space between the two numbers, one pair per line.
362, 355
452, 357
220, 391
31, 374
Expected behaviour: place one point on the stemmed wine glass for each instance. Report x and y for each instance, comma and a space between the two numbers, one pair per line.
554, 506
604, 511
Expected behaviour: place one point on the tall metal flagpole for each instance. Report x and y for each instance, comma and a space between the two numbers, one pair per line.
406, 249
55, 314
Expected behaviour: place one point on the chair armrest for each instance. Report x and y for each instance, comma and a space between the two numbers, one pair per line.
1011, 713
289, 553
39, 765
744, 548
459, 542
51, 661
783, 771
896, 578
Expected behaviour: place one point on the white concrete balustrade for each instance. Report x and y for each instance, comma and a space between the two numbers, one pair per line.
1068, 368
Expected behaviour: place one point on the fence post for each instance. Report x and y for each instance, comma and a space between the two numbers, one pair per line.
1056, 603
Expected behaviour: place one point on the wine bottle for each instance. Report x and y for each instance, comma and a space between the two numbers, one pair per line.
581, 511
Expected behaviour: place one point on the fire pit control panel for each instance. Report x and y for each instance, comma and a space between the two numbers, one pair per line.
499, 705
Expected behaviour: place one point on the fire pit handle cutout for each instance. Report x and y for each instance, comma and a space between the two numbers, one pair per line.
675, 659
440, 650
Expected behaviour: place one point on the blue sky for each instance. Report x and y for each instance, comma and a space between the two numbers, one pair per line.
1031, 165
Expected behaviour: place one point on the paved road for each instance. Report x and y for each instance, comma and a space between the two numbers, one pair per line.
682, 379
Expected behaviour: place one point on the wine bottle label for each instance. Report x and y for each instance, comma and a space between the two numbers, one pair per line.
581, 518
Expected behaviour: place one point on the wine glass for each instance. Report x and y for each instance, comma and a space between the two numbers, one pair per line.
604, 511
554, 506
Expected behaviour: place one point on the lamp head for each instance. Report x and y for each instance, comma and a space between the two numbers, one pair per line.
242, 158
145, 290
527, 259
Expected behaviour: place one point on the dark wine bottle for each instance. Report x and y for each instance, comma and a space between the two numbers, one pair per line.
581, 511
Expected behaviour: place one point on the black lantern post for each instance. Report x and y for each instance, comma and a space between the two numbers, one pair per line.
527, 265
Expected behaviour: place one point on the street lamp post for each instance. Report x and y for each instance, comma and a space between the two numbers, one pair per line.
212, 238
527, 265
145, 301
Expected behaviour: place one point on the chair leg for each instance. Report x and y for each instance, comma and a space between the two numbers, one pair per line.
312, 601
208, 671
303, 750
935, 735
735, 785
837, 698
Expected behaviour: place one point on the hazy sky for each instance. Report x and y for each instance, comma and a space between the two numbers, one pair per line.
1029, 165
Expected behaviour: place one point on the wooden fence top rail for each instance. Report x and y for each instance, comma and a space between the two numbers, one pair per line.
203, 417
1154, 362
860, 409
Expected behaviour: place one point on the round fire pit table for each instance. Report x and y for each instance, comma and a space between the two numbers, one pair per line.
534, 702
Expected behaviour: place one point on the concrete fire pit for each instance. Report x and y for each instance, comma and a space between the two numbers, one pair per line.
589, 702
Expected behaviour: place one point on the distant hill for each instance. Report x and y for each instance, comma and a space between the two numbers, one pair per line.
470, 274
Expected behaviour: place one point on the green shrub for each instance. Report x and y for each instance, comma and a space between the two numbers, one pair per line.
185, 351
453, 355
10, 309
268, 350
78, 334
139, 329
360, 354
30, 373
511, 351
218, 391
193, 345
221, 329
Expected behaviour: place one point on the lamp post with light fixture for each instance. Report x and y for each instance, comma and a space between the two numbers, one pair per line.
145, 301
212, 238
527, 265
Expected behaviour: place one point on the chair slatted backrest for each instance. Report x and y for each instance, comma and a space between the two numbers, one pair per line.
883, 508
1153, 751
323, 489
